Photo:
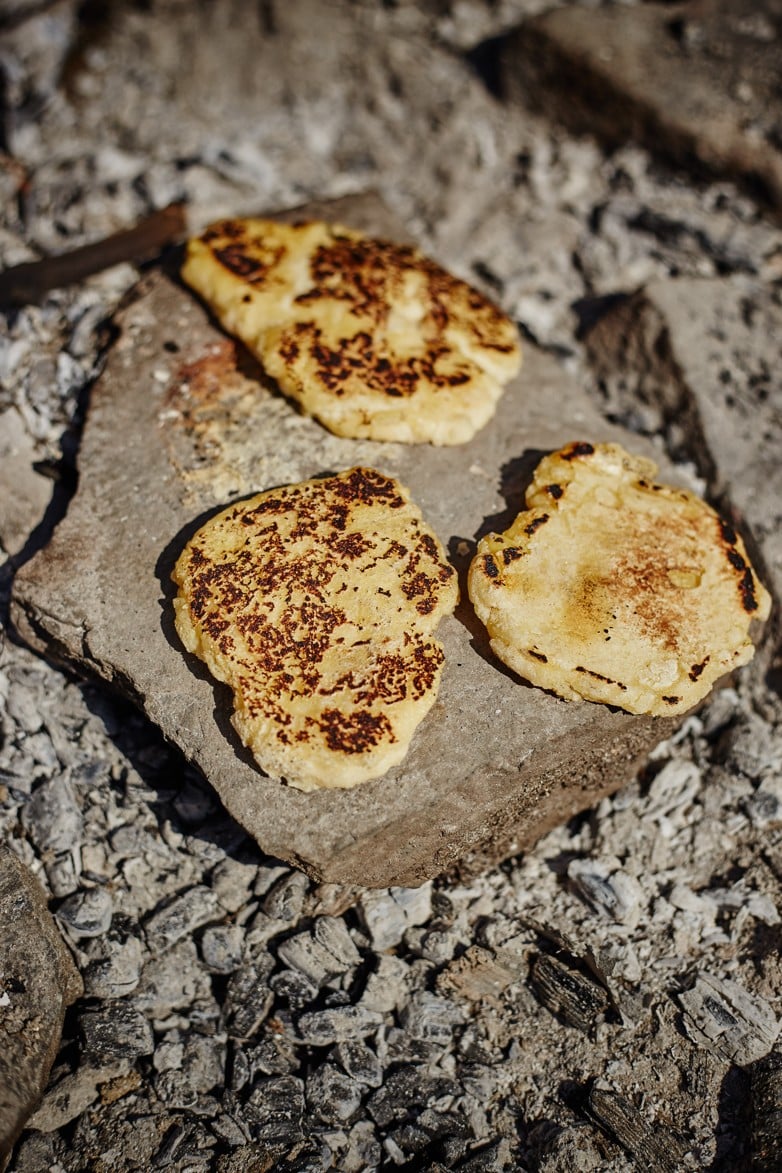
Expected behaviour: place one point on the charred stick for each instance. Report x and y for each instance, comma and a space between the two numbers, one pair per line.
29, 282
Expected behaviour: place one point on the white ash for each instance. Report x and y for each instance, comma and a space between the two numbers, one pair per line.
226, 1016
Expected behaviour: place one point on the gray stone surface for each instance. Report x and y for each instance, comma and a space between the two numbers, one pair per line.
38, 980
492, 767
697, 82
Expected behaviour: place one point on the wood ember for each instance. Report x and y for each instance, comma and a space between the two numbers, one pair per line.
29, 282
652, 1147
574, 998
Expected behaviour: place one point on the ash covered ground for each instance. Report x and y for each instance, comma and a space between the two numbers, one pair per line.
610, 999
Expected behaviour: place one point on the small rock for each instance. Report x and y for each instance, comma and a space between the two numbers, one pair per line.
37, 981
186, 912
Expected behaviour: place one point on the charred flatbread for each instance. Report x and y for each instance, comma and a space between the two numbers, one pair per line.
372, 338
316, 604
612, 587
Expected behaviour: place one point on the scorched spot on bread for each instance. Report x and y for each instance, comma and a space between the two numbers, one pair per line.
373, 339
316, 604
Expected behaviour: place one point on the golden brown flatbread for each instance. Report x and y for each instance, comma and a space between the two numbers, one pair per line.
316, 603
371, 338
611, 587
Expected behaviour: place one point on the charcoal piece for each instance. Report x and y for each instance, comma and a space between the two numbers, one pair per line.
222, 947
273, 1051
285, 901
652, 1146
363, 1151
608, 889
86, 914
116, 1031
248, 999
332, 933
294, 987
174, 1089
232, 882
580, 1149
116, 970
493, 1158
405, 1090
360, 1062
766, 1123
275, 1109
431, 1018
320, 1028
311, 958
722, 1016
332, 1095
203, 1061
52, 818
174, 980
185, 913
575, 999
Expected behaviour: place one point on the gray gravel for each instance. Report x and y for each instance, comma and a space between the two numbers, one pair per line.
606, 1001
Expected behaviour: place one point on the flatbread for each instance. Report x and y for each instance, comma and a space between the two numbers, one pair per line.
611, 587
371, 338
315, 603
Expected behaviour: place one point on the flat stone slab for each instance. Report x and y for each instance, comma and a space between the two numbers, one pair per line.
38, 980
180, 422
696, 82
705, 353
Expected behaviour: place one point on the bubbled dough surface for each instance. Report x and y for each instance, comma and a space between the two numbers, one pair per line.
611, 587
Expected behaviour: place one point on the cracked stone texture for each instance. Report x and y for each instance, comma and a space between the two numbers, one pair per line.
697, 83
703, 355
38, 980
495, 764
